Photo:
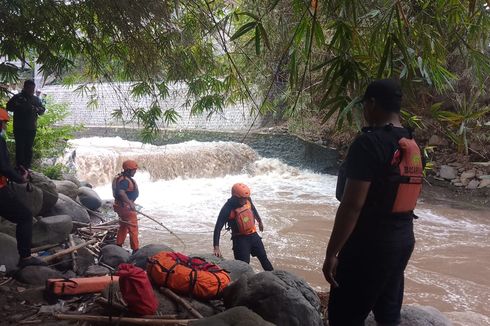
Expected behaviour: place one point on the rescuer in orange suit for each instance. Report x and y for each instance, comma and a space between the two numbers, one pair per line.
125, 191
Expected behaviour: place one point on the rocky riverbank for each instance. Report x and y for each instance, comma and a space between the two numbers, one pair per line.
69, 213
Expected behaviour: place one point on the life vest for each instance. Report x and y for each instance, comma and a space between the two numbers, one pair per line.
3, 181
407, 174
81, 285
244, 218
400, 189
132, 187
187, 275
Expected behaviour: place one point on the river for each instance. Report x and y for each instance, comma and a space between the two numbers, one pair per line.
185, 185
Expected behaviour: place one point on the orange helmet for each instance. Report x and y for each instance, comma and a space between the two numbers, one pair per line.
129, 165
4, 116
240, 190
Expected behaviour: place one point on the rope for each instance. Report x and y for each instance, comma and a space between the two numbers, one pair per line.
161, 224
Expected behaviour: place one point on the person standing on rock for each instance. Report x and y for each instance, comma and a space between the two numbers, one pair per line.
125, 191
240, 214
26, 108
10, 207
372, 238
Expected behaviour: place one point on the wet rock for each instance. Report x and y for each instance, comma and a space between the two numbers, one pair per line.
67, 206
89, 198
52, 229
86, 184
140, 258
113, 255
484, 183
96, 270
237, 316
84, 260
67, 188
473, 184
37, 275
9, 257
267, 294
167, 306
447, 172
71, 177
436, 140
210, 258
50, 195
467, 175
237, 268
33, 199
417, 315
8, 227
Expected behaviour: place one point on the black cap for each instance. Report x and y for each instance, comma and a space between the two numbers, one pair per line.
387, 93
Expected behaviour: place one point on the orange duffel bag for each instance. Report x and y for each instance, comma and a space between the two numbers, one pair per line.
192, 276
79, 285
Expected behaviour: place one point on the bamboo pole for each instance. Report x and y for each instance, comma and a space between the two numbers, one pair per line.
67, 251
161, 224
169, 293
135, 321
45, 247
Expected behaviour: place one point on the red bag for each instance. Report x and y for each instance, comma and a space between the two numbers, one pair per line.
137, 290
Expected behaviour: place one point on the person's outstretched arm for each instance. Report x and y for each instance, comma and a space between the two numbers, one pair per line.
220, 222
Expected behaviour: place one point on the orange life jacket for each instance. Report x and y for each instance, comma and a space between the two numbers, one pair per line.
187, 275
120, 177
81, 285
3, 181
408, 170
244, 218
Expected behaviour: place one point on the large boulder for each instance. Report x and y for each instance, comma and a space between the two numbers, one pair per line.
37, 275
8, 227
140, 258
67, 206
237, 268
267, 294
89, 198
237, 316
67, 188
9, 257
31, 197
71, 177
50, 195
417, 315
52, 229
113, 255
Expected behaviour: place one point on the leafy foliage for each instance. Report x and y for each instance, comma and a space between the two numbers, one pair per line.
283, 57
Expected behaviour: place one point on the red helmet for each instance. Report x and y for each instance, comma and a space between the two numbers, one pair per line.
240, 190
129, 165
4, 116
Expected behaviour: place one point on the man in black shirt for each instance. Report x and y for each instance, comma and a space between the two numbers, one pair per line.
10, 207
372, 238
240, 214
26, 108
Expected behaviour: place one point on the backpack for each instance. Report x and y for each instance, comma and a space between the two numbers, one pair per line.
136, 290
185, 275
